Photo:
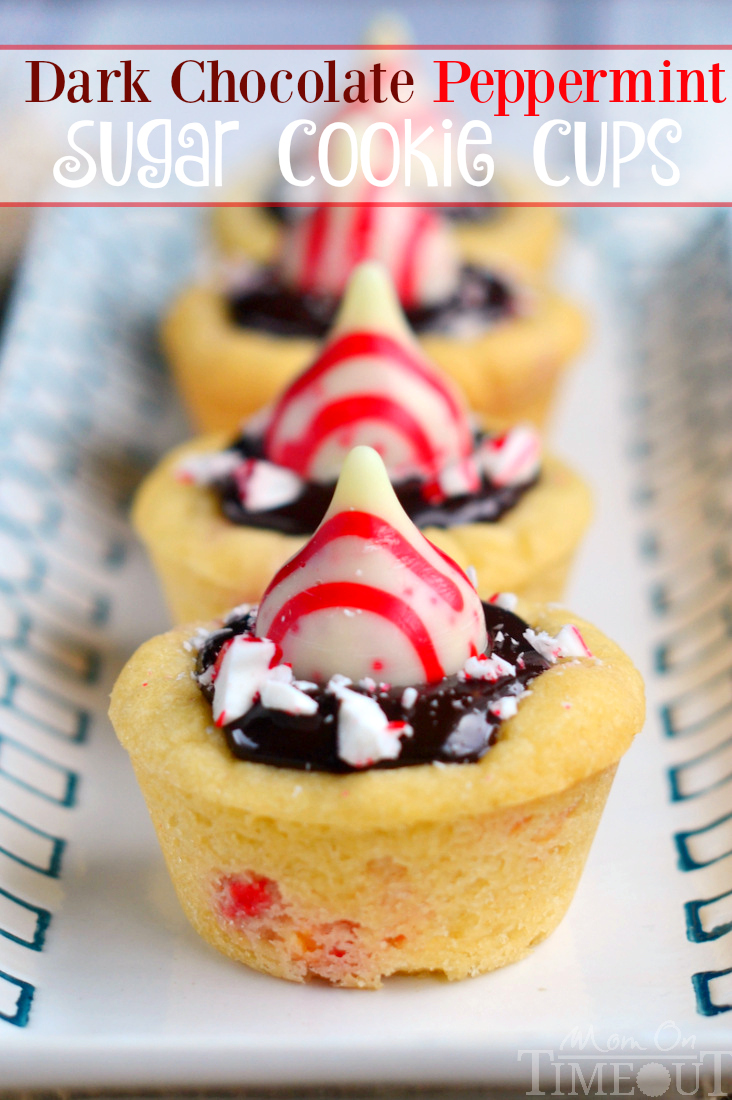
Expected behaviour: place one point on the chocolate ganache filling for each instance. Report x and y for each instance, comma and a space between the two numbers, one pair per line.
455, 720
302, 515
268, 306
466, 212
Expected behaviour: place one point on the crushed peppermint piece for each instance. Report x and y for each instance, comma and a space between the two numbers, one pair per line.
409, 697
206, 678
194, 644
505, 707
246, 662
365, 734
543, 643
279, 695
571, 642
568, 643
472, 735
456, 479
368, 683
488, 668
336, 682
505, 600
264, 485
472, 575
207, 468
513, 458
305, 685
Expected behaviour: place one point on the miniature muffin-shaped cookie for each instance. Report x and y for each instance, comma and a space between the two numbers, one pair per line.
373, 773
232, 348
218, 523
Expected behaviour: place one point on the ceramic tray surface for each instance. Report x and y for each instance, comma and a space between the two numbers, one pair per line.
101, 980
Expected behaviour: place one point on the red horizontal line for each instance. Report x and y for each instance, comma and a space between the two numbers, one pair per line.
361, 46
499, 205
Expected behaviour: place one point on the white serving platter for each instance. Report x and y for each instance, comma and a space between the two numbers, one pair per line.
102, 983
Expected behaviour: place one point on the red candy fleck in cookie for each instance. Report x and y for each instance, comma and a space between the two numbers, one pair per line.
246, 897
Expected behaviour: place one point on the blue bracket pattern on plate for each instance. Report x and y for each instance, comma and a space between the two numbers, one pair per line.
702, 980
84, 410
41, 921
23, 993
683, 446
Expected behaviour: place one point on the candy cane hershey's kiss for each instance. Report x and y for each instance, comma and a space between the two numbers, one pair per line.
372, 384
368, 595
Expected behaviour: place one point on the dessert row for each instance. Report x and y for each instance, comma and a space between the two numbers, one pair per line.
375, 745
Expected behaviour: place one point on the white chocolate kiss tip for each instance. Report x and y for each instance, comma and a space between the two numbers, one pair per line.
370, 302
369, 596
372, 385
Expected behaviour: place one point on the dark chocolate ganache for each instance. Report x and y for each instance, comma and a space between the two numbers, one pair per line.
465, 212
268, 306
302, 515
451, 719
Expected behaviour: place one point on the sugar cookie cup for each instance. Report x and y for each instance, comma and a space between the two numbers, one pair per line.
207, 564
454, 870
225, 372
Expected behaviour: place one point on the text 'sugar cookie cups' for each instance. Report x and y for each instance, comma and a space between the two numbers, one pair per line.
233, 348
218, 523
373, 772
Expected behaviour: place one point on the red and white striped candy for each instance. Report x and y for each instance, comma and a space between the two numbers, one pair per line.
513, 458
413, 243
370, 385
248, 669
262, 485
567, 643
369, 595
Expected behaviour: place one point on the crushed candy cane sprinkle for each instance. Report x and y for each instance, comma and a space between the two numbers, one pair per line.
567, 643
